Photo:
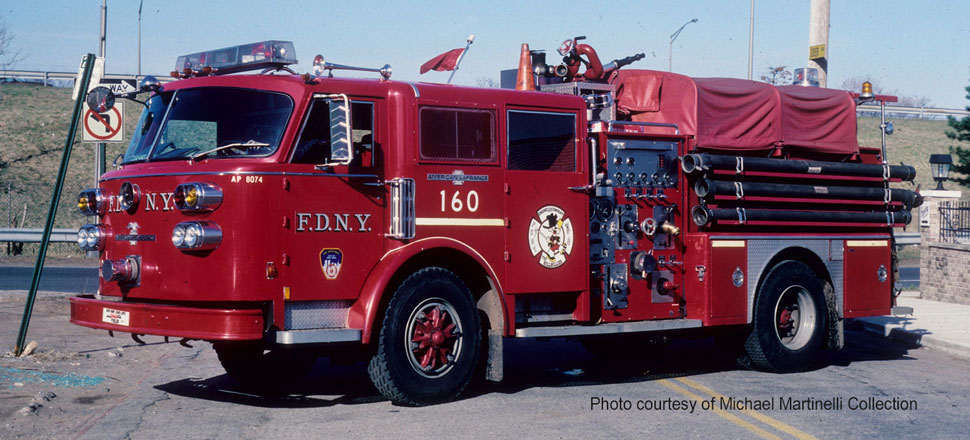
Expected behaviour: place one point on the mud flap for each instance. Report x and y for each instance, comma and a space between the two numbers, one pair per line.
836, 330
494, 368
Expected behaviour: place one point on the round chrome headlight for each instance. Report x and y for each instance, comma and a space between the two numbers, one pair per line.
197, 235
193, 233
178, 235
91, 237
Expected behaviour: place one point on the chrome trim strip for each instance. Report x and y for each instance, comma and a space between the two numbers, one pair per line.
241, 173
414, 87
627, 327
794, 237
318, 335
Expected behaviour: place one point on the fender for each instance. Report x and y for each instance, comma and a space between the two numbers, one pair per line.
363, 314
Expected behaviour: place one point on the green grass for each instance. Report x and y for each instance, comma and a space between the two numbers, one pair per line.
912, 143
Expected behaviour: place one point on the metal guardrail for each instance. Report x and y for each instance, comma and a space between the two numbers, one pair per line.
907, 238
46, 77
918, 111
33, 235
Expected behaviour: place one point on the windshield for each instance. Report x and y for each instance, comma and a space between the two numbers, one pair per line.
233, 122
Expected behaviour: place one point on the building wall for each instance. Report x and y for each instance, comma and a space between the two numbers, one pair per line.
944, 272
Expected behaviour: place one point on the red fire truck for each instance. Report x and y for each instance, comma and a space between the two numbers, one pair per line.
284, 216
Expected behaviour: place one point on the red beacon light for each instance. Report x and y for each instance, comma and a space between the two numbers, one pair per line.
268, 55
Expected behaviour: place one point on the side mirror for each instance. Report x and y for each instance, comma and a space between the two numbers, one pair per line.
341, 151
100, 99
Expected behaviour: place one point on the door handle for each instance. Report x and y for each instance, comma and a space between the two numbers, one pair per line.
584, 188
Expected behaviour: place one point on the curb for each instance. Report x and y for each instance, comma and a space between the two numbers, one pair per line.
913, 338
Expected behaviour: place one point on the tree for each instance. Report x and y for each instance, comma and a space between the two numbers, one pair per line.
8, 55
960, 133
777, 75
854, 84
486, 82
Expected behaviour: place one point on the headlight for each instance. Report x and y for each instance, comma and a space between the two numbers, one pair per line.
91, 238
196, 235
92, 202
197, 196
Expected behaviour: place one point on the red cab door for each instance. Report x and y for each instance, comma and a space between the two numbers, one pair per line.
545, 204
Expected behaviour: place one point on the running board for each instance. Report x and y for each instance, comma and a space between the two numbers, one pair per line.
602, 329
314, 336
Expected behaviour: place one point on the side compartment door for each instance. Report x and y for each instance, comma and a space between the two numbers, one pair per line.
545, 204
334, 220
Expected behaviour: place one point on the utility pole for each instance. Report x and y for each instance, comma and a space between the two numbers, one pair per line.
751, 42
818, 40
99, 149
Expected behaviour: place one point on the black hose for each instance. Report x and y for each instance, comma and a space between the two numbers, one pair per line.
707, 187
698, 162
704, 216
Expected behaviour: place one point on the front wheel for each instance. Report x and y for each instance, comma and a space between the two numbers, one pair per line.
789, 319
429, 341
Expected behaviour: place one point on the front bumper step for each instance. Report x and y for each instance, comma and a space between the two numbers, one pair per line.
168, 320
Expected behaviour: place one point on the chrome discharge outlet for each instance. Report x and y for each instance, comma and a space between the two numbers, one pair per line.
124, 270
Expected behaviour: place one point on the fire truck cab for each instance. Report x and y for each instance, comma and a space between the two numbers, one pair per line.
284, 217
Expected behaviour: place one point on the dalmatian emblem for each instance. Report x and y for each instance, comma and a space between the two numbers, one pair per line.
551, 236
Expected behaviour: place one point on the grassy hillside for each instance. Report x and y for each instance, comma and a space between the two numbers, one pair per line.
33, 124
35, 119
912, 143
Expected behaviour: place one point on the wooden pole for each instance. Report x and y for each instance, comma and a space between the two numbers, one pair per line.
818, 34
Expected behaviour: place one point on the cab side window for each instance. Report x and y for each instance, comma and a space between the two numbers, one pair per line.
313, 146
541, 141
458, 135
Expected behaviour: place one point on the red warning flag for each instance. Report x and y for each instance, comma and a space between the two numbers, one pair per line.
445, 61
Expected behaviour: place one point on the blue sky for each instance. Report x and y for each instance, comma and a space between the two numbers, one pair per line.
912, 47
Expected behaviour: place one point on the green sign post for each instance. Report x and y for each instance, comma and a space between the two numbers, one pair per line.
85, 78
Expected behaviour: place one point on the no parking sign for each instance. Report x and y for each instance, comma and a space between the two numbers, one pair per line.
103, 127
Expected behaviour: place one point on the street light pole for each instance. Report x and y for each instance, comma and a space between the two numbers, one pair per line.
670, 51
139, 36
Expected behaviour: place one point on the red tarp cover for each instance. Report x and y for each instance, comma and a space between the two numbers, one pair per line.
736, 114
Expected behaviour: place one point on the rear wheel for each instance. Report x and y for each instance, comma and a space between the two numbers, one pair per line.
429, 341
789, 319
255, 366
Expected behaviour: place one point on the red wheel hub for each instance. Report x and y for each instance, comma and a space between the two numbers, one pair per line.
435, 335
785, 320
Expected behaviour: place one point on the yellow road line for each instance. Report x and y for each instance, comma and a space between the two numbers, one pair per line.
761, 417
720, 412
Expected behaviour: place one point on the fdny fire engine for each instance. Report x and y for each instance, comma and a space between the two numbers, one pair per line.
283, 217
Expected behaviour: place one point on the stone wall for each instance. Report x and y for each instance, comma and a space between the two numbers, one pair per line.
944, 268
944, 272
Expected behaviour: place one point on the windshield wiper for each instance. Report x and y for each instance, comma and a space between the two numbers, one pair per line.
248, 144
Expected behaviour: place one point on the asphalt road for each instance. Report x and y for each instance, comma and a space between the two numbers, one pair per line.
112, 388
53, 279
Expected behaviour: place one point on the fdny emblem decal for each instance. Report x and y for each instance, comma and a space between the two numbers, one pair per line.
133, 237
330, 262
551, 236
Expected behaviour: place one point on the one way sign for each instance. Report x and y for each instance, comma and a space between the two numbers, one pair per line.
120, 86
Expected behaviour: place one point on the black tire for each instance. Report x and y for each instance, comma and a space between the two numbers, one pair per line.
419, 361
789, 319
255, 367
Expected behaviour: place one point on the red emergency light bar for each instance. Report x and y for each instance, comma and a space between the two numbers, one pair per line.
253, 56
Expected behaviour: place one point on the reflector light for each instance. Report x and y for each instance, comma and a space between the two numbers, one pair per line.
92, 202
197, 196
129, 197
260, 55
196, 235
